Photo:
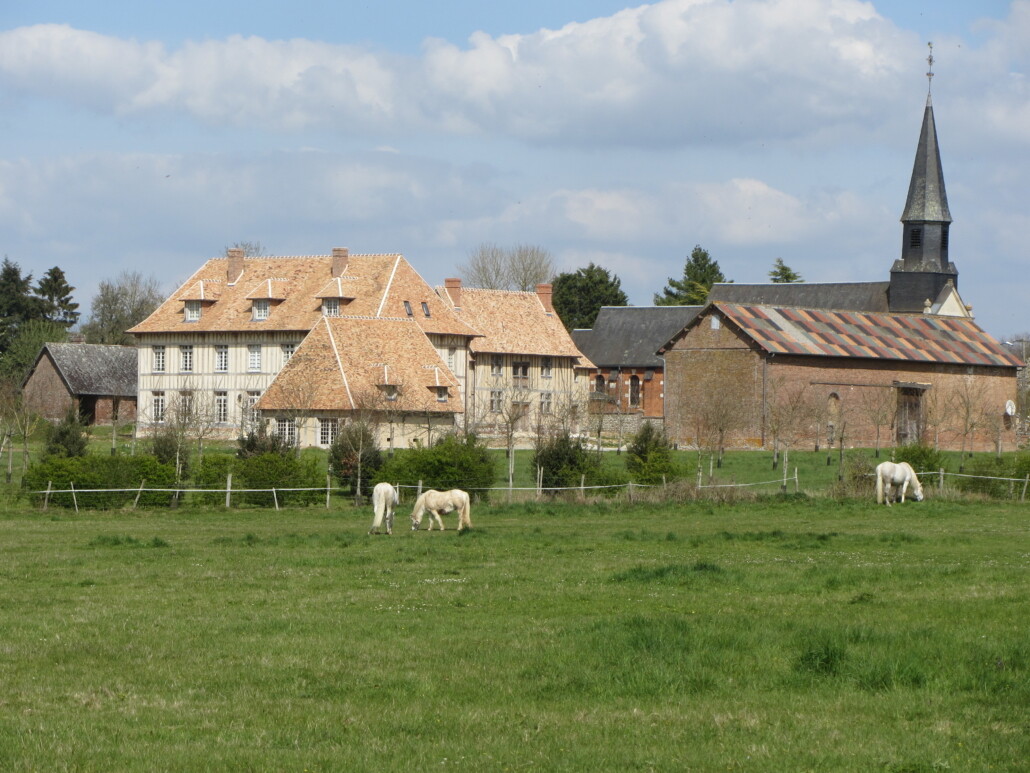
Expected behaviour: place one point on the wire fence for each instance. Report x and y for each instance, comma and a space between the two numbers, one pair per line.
176, 495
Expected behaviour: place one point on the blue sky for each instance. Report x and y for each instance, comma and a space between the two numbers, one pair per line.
150, 136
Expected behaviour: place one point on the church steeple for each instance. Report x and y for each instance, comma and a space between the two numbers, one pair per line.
924, 268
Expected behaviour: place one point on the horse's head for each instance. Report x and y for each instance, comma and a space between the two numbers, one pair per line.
416, 515
917, 491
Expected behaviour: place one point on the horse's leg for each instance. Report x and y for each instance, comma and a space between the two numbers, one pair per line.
439, 520
389, 520
889, 493
904, 488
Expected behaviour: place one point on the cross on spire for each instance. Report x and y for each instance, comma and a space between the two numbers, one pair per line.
929, 73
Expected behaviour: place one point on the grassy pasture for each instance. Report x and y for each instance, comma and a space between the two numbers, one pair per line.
778, 635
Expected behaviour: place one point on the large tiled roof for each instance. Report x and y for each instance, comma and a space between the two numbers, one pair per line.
378, 286
511, 322
630, 336
839, 296
344, 362
909, 337
95, 369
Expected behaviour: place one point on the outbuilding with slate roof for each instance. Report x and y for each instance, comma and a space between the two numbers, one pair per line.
754, 374
98, 381
628, 377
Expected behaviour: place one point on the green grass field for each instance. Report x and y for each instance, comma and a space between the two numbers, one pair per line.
772, 635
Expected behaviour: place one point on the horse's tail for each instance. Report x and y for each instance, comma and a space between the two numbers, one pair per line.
879, 487
466, 511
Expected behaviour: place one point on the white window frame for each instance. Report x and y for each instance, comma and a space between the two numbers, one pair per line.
328, 429
546, 367
221, 358
288, 351
186, 358
520, 370
441, 394
158, 407
192, 311
158, 351
253, 358
496, 400
546, 403
287, 429
497, 365
221, 407
330, 307
260, 309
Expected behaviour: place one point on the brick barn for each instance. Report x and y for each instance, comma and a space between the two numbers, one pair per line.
754, 375
99, 381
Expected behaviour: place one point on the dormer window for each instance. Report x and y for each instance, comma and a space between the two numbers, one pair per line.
331, 307
407, 309
425, 308
192, 311
441, 394
260, 309
390, 392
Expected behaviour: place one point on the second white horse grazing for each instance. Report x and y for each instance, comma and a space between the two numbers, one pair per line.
384, 501
894, 479
440, 502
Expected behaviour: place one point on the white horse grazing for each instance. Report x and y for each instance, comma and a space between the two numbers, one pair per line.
440, 502
384, 500
900, 476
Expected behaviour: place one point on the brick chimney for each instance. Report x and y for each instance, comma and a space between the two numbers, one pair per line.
544, 293
340, 257
235, 267
453, 287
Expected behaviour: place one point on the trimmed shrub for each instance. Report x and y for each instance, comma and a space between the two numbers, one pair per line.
454, 461
259, 441
989, 467
649, 456
922, 458
67, 438
273, 470
566, 463
101, 472
355, 449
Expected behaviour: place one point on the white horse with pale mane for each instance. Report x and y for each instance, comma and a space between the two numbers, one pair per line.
439, 503
894, 478
384, 499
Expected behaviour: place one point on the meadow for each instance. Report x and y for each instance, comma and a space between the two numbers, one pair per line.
774, 634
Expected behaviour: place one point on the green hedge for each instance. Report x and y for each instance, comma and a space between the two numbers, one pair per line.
100, 472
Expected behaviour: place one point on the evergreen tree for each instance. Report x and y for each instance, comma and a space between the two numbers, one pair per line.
577, 297
699, 274
55, 295
17, 303
25, 346
783, 274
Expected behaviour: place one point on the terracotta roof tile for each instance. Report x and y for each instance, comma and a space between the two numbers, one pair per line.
329, 372
513, 323
918, 338
378, 286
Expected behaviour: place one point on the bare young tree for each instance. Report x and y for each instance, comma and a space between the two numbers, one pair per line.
118, 305
487, 267
790, 414
966, 402
529, 265
879, 404
250, 249
521, 267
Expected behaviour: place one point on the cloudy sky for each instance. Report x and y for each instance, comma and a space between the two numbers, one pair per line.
150, 136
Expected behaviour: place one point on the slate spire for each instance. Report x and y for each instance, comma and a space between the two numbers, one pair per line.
924, 268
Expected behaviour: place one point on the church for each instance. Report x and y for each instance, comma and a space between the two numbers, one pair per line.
858, 364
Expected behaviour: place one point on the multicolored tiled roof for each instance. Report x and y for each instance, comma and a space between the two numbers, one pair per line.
911, 337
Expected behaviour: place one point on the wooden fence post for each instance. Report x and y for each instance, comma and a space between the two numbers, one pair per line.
75, 499
940, 481
327, 484
228, 490
136, 500
797, 487
1022, 497
46, 499
275, 499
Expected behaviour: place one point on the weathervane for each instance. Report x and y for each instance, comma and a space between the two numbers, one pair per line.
929, 73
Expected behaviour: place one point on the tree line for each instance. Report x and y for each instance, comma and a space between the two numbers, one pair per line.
579, 295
